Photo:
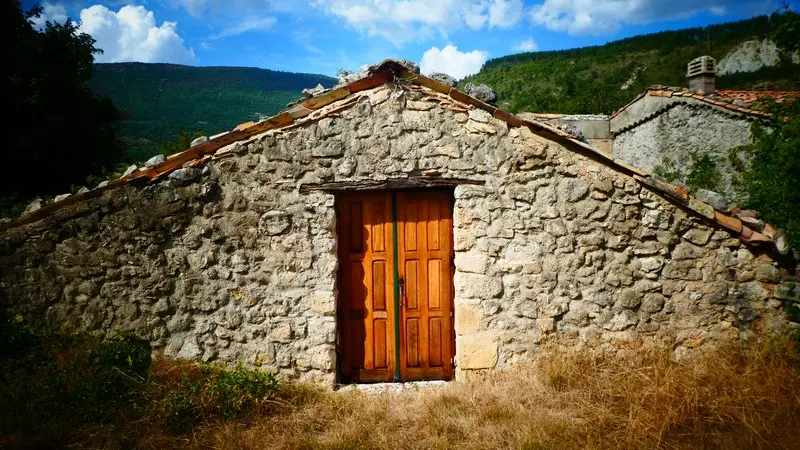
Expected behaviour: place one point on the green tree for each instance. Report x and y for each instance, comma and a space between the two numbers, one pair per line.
772, 180
787, 31
56, 131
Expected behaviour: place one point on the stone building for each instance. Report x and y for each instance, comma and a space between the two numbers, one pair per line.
666, 127
393, 228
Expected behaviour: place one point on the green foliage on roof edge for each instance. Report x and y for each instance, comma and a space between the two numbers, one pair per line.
589, 80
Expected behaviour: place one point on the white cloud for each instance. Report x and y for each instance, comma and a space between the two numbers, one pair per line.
505, 13
528, 45
604, 16
131, 34
247, 24
50, 13
452, 62
475, 15
719, 10
401, 21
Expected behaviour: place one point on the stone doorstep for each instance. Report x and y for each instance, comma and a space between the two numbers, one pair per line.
381, 388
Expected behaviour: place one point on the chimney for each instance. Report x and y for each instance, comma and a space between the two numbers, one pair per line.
702, 73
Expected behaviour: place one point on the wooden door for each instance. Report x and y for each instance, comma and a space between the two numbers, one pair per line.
395, 290
425, 266
366, 287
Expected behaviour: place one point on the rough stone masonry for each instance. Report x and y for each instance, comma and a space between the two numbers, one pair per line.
233, 263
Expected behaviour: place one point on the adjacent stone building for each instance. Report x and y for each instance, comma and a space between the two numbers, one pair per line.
665, 129
669, 128
393, 228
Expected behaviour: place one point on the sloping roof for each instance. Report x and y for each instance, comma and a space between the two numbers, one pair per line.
750, 97
736, 101
336, 100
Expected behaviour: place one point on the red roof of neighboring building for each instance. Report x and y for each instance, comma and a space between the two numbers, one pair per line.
740, 101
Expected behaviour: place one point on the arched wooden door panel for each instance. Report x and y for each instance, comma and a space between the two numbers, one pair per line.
395, 286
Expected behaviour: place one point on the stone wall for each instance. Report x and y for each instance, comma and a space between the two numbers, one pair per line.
671, 137
233, 263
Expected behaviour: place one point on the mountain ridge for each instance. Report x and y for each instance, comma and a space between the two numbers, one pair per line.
162, 102
590, 80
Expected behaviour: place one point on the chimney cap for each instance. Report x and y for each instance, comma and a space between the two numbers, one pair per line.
704, 65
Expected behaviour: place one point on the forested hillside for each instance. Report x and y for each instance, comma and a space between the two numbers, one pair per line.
591, 79
158, 101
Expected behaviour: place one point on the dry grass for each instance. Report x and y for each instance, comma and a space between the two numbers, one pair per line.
734, 398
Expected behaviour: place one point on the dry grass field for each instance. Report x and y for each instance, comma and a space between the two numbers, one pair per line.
742, 398
85, 393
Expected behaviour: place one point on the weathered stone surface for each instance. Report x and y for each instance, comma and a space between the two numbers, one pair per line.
273, 223
239, 265
479, 115
132, 168
443, 78
663, 142
154, 161
788, 291
468, 319
481, 91
684, 250
471, 263
477, 351
715, 199
198, 140
698, 236
782, 242
185, 175
310, 92
477, 286
652, 302
35, 205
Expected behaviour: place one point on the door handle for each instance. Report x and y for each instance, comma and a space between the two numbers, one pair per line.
401, 283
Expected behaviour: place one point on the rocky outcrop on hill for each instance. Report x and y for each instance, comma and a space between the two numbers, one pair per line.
750, 56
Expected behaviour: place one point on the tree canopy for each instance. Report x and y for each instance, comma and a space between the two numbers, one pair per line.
57, 130
772, 180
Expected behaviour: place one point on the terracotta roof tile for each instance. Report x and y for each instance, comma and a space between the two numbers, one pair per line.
732, 100
242, 126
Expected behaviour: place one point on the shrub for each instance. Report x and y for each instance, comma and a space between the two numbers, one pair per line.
198, 393
702, 173
48, 380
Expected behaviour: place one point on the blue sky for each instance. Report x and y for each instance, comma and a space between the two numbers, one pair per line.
321, 36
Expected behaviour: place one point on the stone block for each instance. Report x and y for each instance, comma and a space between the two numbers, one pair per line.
471, 263
323, 303
698, 236
477, 351
788, 291
753, 291
768, 273
468, 318
416, 120
470, 285
546, 324
685, 250
282, 332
